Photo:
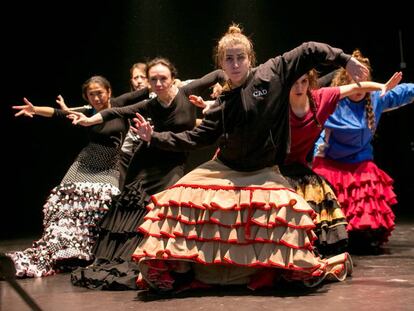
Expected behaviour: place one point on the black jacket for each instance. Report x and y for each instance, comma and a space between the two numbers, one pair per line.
252, 121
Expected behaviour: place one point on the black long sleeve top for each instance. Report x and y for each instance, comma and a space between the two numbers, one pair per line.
179, 116
252, 122
111, 133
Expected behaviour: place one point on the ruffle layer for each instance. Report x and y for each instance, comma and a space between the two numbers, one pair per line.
115, 275
119, 226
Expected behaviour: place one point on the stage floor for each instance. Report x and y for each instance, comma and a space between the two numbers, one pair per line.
379, 282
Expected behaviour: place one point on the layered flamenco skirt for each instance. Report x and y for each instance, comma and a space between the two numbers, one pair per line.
330, 220
72, 214
365, 194
220, 226
113, 268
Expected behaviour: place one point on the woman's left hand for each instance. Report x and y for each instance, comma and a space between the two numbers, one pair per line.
392, 82
201, 103
142, 128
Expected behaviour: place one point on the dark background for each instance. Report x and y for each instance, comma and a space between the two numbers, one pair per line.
52, 49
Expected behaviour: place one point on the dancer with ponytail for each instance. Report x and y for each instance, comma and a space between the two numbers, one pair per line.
235, 219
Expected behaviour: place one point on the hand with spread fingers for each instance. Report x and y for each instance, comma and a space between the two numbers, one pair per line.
27, 110
356, 70
392, 82
142, 128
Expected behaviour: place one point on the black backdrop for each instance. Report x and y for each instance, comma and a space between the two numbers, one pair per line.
52, 49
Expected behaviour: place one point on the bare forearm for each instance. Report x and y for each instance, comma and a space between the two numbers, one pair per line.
366, 86
93, 120
369, 86
43, 111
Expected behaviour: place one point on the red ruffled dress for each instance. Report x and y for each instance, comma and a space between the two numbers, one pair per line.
344, 156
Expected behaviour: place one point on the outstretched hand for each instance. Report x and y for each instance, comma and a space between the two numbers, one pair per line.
357, 70
61, 102
392, 82
142, 128
27, 110
198, 101
78, 118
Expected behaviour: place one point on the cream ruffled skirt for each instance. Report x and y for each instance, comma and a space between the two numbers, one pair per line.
226, 227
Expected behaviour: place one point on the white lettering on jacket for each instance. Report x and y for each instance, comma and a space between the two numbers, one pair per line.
260, 93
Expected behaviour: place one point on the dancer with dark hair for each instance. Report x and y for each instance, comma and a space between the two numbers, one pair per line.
150, 170
75, 207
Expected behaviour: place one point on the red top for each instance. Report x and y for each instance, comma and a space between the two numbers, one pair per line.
304, 131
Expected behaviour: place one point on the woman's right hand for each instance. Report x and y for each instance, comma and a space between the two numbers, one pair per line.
27, 110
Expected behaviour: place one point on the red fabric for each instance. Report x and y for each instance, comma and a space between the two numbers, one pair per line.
262, 279
364, 191
304, 130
